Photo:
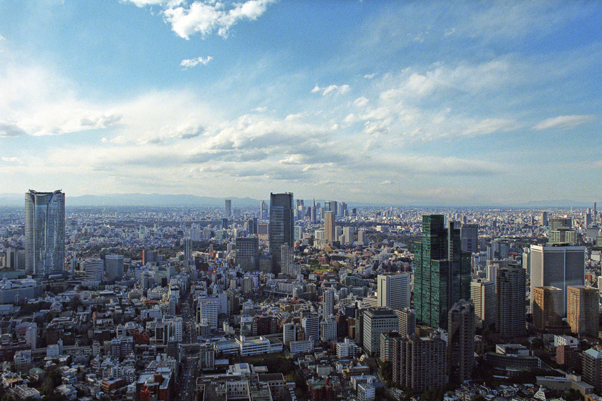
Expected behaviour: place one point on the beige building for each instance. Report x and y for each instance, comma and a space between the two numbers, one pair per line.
329, 227
583, 310
547, 307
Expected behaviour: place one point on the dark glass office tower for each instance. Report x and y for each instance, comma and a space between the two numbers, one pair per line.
282, 225
441, 272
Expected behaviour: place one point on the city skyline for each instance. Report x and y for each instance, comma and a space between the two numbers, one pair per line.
376, 102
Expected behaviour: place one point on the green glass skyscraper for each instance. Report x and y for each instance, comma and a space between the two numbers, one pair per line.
441, 271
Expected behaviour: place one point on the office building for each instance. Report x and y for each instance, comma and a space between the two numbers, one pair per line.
362, 238
208, 313
442, 272
113, 267
482, 293
460, 341
328, 330
560, 222
328, 309
592, 368
93, 271
329, 227
376, 322
349, 234
557, 266
281, 230
547, 307
228, 208
544, 219
562, 235
44, 232
583, 310
247, 253
470, 238
407, 322
419, 363
510, 293
394, 290
311, 327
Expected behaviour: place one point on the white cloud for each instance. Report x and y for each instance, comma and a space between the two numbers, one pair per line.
332, 89
207, 17
360, 102
11, 159
193, 62
142, 3
564, 122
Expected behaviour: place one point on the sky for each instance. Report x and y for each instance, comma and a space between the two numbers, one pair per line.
393, 102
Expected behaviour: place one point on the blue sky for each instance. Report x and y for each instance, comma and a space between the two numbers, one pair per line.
417, 102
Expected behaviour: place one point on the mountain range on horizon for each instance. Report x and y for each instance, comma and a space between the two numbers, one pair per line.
185, 200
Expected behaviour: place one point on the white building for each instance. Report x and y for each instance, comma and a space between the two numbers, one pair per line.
208, 312
394, 290
328, 330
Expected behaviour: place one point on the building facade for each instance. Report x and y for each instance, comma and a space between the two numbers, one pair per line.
442, 272
44, 232
281, 230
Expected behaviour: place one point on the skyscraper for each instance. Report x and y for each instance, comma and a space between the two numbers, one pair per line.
419, 362
510, 293
442, 271
557, 266
328, 303
228, 210
470, 238
394, 290
547, 307
460, 342
113, 267
44, 232
329, 226
583, 310
281, 226
482, 294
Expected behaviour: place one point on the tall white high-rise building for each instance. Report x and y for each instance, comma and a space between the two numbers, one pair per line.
482, 293
328, 330
349, 233
44, 232
394, 290
208, 313
311, 325
328, 303
557, 266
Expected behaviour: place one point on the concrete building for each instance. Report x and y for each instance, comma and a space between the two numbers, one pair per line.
557, 266
547, 307
376, 322
460, 341
394, 290
329, 227
44, 232
113, 267
592, 368
407, 322
470, 238
419, 363
247, 253
583, 310
482, 293
510, 301
281, 229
